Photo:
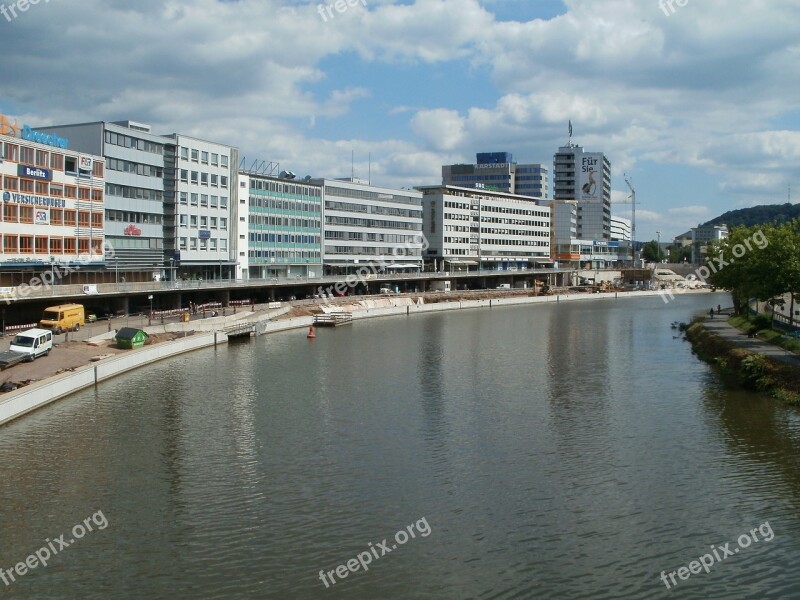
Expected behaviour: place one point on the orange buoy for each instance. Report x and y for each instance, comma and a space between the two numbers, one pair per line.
311, 333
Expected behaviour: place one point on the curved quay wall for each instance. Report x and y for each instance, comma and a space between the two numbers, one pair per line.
24, 400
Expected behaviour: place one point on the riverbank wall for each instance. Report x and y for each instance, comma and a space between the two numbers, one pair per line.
32, 397
19, 402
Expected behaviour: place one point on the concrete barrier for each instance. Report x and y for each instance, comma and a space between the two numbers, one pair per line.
26, 399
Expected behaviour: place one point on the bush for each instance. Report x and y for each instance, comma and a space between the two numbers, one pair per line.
761, 322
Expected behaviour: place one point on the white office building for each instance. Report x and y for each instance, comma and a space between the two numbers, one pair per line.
369, 226
620, 229
472, 229
201, 190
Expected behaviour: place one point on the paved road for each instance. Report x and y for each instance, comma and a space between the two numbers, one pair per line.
720, 326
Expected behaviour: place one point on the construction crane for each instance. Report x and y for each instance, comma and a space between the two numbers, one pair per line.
632, 198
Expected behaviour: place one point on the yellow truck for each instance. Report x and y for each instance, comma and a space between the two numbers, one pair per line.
64, 317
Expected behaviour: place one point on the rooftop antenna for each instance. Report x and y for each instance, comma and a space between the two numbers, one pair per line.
352, 166
569, 144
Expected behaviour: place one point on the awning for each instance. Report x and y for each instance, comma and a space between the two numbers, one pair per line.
461, 262
543, 260
401, 266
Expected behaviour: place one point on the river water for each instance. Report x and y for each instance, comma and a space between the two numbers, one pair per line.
573, 450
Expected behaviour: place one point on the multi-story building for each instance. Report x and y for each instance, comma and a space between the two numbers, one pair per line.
367, 226
134, 186
586, 178
282, 227
620, 229
497, 171
481, 229
702, 235
53, 208
200, 199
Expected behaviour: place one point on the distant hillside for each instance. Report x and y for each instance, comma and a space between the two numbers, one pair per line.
758, 215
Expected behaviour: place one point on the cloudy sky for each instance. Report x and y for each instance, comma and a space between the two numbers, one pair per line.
698, 105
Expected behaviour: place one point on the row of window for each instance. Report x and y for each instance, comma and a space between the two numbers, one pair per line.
126, 141
372, 250
358, 236
264, 221
126, 166
47, 159
280, 187
207, 200
15, 213
192, 221
497, 242
371, 196
286, 255
203, 178
208, 244
46, 188
285, 205
134, 217
214, 159
373, 209
278, 238
373, 223
30, 244
126, 191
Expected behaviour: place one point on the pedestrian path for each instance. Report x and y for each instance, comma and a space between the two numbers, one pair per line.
719, 326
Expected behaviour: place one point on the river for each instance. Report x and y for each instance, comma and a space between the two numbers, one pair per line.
571, 450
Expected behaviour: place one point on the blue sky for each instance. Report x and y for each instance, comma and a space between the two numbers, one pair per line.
699, 105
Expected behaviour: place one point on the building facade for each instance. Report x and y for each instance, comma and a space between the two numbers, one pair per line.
586, 178
497, 171
367, 226
280, 223
200, 185
53, 209
701, 236
469, 228
134, 191
620, 229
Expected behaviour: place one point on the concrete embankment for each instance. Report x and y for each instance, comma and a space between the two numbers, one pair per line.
26, 399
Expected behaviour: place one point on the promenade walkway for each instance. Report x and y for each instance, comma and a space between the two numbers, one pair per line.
719, 326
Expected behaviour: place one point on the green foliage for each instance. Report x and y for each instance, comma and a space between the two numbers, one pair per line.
776, 214
756, 262
652, 252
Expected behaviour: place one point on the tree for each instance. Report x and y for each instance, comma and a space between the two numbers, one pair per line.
652, 252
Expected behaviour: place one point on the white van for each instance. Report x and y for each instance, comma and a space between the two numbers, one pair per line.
33, 343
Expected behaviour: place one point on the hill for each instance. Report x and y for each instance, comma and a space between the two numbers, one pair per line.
758, 215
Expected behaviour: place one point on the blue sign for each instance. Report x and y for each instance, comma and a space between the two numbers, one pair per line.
34, 172
34, 200
205, 234
51, 139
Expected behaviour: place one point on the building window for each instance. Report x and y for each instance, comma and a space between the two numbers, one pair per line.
194, 199
56, 216
204, 200
184, 198
26, 185
213, 222
26, 155
26, 214
213, 244
183, 243
185, 175
184, 220
193, 220
204, 158
41, 244
214, 179
214, 159
223, 181
203, 178
203, 222
223, 223
184, 153
214, 201
194, 176
42, 158
195, 155
56, 246
11, 183
223, 202
223, 160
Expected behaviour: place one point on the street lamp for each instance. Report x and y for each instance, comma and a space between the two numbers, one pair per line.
150, 316
658, 247
171, 272
52, 275
116, 271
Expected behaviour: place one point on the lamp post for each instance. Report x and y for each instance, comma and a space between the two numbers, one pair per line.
116, 271
658, 247
171, 272
150, 316
52, 275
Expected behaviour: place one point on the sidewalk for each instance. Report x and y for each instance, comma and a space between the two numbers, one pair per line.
719, 326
